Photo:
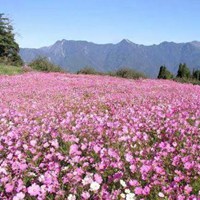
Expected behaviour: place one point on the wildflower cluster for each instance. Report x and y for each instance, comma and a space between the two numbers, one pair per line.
73, 137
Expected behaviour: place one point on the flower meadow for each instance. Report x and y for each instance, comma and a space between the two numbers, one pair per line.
66, 136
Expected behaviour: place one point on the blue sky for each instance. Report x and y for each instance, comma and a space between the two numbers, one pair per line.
42, 22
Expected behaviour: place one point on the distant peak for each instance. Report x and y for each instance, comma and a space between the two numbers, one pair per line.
166, 43
126, 41
60, 41
196, 43
63, 40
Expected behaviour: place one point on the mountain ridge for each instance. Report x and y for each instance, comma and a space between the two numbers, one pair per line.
73, 55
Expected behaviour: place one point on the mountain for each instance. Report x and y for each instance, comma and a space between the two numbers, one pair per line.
74, 55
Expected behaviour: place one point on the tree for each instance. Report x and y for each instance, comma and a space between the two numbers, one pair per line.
196, 74
9, 49
183, 71
164, 73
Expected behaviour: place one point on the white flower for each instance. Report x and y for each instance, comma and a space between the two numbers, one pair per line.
32, 174
3, 170
160, 194
122, 183
94, 186
43, 189
71, 197
65, 168
41, 178
87, 180
123, 195
127, 191
130, 196
19, 196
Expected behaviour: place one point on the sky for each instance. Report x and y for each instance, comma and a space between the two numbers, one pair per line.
40, 23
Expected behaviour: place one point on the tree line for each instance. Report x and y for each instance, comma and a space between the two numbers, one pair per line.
182, 73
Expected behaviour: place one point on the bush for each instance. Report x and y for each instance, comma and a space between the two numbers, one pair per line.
88, 70
11, 62
164, 73
123, 72
128, 73
187, 80
26, 68
42, 64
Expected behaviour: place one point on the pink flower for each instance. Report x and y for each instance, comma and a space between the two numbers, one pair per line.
159, 170
96, 148
34, 190
9, 187
98, 178
133, 183
85, 195
146, 190
138, 191
33, 142
180, 197
145, 169
55, 143
133, 168
188, 165
128, 157
74, 150
187, 189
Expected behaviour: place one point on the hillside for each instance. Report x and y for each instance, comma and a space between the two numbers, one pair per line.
74, 55
66, 136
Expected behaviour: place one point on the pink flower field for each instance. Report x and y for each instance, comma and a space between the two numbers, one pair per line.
73, 137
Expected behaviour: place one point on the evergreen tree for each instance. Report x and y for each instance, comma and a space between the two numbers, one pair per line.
183, 71
164, 73
196, 74
9, 49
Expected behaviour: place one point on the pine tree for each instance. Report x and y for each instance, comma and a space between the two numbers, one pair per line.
183, 71
9, 49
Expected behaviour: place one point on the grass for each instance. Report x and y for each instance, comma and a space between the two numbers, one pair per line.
9, 70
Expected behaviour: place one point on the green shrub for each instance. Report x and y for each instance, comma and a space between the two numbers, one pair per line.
128, 73
123, 72
42, 64
10, 62
88, 70
187, 80
164, 73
